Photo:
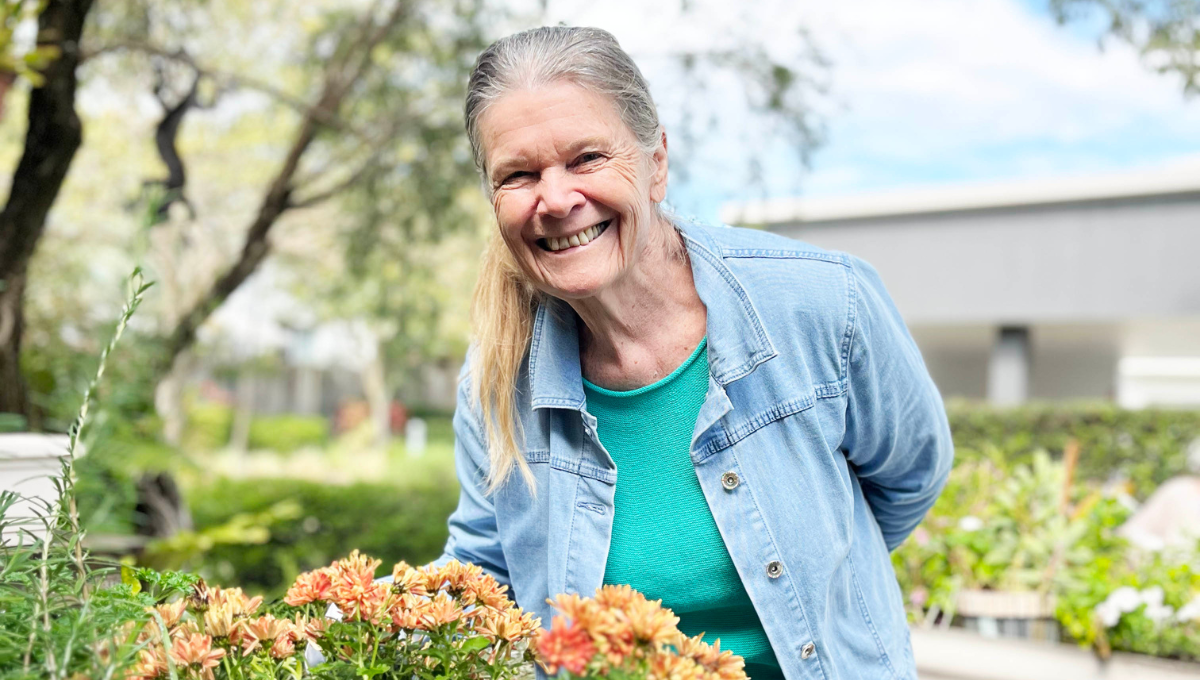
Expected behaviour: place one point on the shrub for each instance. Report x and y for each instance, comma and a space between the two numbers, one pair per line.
208, 427
286, 433
395, 522
1148, 446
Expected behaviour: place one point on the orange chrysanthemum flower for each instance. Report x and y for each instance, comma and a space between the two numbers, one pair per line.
306, 630
171, 612
617, 597
565, 646
650, 623
407, 581
240, 605
311, 586
358, 564
283, 648
509, 625
196, 653
219, 622
720, 665
361, 601
151, 664
668, 666
487, 591
263, 632
439, 611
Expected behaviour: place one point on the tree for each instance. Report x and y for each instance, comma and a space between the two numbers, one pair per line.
1167, 32
52, 138
372, 97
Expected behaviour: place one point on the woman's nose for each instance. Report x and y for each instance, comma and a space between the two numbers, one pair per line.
557, 195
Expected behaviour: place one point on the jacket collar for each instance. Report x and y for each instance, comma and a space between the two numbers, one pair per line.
737, 340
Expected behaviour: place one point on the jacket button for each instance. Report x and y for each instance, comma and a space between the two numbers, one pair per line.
808, 651
730, 480
774, 568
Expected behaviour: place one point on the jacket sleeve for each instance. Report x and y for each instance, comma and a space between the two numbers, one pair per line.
897, 436
474, 536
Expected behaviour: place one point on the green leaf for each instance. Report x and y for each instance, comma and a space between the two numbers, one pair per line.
130, 579
475, 644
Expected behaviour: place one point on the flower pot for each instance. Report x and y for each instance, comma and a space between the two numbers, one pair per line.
28, 464
1009, 614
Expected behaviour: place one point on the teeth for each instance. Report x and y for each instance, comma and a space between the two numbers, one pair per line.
581, 239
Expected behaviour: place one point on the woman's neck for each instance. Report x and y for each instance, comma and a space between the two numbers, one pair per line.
643, 327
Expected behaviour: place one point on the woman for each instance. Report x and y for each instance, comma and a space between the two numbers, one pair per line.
729, 420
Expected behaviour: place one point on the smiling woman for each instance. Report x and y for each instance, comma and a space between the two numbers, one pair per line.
733, 422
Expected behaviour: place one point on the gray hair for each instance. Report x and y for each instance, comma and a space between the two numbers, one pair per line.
589, 57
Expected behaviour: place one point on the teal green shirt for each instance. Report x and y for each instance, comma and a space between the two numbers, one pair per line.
665, 542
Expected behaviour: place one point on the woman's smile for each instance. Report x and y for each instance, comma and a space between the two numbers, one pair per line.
576, 241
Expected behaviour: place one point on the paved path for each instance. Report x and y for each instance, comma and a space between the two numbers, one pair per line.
963, 655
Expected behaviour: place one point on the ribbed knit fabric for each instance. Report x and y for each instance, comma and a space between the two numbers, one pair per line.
665, 542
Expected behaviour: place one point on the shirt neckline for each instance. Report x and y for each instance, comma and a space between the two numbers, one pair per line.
588, 385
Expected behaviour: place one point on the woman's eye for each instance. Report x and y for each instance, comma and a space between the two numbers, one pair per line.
513, 177
588, 158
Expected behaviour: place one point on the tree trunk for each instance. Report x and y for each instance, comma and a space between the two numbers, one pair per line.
168, 400
374, 382
55, 133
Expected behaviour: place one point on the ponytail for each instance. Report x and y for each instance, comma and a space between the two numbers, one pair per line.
502, 321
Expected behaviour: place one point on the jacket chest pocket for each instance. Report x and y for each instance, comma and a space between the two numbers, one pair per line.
788, 458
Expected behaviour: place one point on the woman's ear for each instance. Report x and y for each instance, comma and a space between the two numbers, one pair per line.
658, 167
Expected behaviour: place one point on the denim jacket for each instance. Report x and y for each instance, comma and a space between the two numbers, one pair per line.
820, 445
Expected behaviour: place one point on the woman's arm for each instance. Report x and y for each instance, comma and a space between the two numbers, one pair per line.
473, 537
897, 436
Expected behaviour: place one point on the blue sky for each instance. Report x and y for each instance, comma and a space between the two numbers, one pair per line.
921, 92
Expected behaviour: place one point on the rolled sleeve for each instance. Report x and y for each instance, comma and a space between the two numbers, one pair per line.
897, 435
474, 536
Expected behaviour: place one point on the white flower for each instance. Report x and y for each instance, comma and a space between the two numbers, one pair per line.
1120, 601
1125, 599
1189, 611
1155, 610
1159, 613
1153, 596
970, 523
1108, 614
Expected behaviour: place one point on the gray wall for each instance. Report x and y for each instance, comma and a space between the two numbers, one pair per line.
1089, 261
1066, 361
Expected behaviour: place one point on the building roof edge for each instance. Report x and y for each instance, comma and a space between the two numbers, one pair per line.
1181, 178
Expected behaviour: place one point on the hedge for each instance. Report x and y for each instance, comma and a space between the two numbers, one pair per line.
286, 433
388, 521
409, 521
209, 427
1147, 446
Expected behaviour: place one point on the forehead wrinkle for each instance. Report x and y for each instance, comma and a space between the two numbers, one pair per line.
554, 123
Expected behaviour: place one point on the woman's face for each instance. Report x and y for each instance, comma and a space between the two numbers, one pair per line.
572, 191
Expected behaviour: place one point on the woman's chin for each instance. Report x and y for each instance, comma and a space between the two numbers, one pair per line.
576, 277
575, 289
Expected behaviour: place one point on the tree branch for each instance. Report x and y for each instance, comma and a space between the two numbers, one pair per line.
326, 194
224, 79
339, 79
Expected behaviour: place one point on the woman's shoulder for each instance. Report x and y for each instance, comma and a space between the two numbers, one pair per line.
750, 243
770, 264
